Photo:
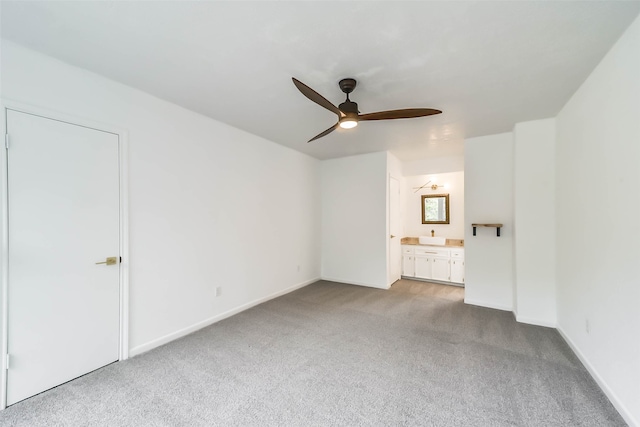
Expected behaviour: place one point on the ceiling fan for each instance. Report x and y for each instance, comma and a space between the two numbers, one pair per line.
348, 114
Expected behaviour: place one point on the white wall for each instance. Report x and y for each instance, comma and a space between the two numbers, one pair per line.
394, 166
441, 164
534, 222
488, 186
354, 220
598, 231
412, 209
210, 205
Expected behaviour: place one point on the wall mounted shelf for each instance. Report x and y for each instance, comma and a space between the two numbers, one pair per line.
497, 227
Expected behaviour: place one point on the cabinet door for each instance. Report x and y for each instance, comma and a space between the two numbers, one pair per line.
457, 271
423, 267
440, 269
408, 266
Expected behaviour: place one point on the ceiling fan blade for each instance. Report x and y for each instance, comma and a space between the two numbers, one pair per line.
326, 132
316, 97
407, 113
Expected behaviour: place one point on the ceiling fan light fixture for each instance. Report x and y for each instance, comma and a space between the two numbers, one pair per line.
350, 119
348, 123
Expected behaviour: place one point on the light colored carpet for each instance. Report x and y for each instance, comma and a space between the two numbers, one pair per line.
332, 354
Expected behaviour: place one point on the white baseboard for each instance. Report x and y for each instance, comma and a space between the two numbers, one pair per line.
487, 304
533, 321
189, 329
621, 408
440, 282
350, 282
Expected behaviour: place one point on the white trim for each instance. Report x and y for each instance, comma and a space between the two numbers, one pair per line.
622, 409
388, 225
391, 280
61, 116
143, 348
533, 321
350, 282
123, 159
439, 282
487, 304
4, 265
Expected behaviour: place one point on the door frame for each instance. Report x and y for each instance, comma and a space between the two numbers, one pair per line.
390, 260
123, 167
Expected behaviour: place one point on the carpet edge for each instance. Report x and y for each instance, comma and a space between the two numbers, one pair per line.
611, 395
143, 348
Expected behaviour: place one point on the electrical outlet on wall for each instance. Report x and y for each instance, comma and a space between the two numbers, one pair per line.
298, 268
218, 291
587, 327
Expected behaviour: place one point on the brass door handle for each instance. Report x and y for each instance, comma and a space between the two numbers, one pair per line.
110, 261
392, 236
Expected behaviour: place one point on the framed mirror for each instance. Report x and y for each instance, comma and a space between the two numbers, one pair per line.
435, 209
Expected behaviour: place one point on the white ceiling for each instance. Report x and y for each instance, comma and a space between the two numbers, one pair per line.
486, 64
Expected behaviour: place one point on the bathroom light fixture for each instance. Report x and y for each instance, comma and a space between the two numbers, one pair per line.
426, 184
422, 186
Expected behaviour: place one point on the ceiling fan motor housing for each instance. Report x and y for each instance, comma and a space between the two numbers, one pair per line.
348, 107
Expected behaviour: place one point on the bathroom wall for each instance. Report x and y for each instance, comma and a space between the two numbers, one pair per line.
412, 204
441, 164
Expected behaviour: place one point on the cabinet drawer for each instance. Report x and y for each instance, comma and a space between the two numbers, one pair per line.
407, 250
457, 253
439, 253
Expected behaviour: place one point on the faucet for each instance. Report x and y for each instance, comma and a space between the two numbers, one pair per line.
433, 233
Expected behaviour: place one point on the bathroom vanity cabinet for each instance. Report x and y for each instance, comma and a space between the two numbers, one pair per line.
442, 264
457, 265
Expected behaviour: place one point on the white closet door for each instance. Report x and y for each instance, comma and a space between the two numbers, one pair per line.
63, 190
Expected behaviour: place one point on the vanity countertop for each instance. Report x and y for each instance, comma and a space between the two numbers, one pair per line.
451, 243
